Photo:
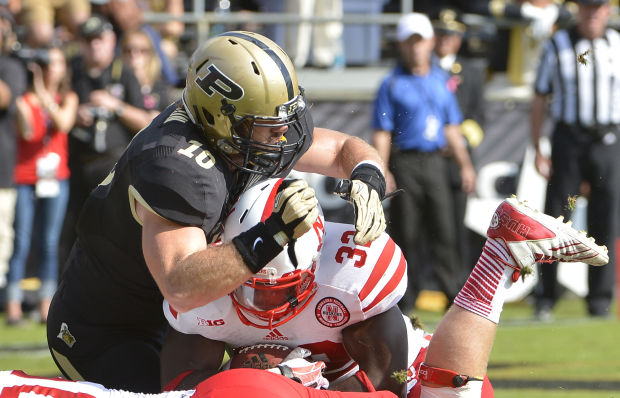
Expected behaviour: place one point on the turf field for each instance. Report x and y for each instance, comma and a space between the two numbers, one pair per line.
573, 356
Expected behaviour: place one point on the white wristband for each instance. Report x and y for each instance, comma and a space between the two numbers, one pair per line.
369, 162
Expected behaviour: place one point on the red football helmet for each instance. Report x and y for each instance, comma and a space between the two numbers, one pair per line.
283, 288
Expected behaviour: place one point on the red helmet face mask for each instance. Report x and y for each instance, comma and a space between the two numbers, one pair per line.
286, 285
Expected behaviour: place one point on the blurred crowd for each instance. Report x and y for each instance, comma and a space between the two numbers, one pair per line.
79, 78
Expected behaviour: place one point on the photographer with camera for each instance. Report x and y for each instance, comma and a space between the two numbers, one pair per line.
109, 114
12, 85
45, 114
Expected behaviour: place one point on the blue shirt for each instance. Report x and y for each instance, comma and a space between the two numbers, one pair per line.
415, 109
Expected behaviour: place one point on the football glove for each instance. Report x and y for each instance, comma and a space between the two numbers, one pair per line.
295, 367
365, 190
294, 212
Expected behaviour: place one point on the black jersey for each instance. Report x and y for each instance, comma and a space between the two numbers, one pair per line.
168, 168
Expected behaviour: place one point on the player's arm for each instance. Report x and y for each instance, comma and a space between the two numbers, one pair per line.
339, 155
193, 354
379, 346
188, 272
336, 154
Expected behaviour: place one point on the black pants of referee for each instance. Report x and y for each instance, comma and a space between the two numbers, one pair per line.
426, 207
594, 156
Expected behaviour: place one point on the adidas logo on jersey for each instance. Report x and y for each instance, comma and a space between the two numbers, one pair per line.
275, 335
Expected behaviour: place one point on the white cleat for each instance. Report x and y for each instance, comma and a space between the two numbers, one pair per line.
532, 236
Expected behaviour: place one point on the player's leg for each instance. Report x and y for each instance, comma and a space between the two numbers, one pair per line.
116, 358
517, 238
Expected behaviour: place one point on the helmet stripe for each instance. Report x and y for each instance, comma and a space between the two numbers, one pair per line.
285, 72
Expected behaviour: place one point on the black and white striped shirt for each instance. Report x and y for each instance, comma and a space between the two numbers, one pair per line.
583, 94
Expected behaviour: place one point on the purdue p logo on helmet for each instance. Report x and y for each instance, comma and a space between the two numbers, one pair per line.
238, 80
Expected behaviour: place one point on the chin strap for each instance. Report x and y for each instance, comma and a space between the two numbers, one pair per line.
444, 377
363, 378
174, 383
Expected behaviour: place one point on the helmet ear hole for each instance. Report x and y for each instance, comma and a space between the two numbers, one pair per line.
255, 67
208, 116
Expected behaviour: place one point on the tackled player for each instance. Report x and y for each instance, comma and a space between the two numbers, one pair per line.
334, 303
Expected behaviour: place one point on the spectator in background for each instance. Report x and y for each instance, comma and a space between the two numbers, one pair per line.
467, 73
45, 114
415, 117
139, 54
515, 47
41, 17
321, 40
170, 31
12, 85
109, 114
127, 16
580, 71
13, 6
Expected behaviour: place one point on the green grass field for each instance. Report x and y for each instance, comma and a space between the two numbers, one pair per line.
573, 356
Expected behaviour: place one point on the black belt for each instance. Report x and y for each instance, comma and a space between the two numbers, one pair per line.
597, 130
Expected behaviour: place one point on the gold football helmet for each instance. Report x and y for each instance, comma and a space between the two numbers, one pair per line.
238, 80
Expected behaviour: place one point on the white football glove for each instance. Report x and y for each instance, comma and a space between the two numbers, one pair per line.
295, 210
365, 190
295, 367
369, 217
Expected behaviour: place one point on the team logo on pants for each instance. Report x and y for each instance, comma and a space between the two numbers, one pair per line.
65, 335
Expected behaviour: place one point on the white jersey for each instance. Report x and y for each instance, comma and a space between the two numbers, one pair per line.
355, 282
15, 383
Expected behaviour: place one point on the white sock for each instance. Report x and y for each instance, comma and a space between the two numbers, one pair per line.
484, 292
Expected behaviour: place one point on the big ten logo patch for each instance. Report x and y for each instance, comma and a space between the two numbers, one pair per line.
331, 312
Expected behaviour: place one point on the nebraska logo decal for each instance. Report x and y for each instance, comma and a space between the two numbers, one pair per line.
331, 312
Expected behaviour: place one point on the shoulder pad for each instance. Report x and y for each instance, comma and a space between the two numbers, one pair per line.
376, 272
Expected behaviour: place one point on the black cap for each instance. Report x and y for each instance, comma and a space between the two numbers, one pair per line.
94, 26
449, 21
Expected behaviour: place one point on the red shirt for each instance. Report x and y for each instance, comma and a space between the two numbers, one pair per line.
41, 143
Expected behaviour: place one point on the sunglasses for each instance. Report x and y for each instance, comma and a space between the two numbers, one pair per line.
138, 50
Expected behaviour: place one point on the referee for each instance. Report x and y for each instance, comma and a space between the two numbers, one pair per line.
580, 68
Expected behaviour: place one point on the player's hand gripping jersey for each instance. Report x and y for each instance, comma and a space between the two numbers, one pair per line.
352, 283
